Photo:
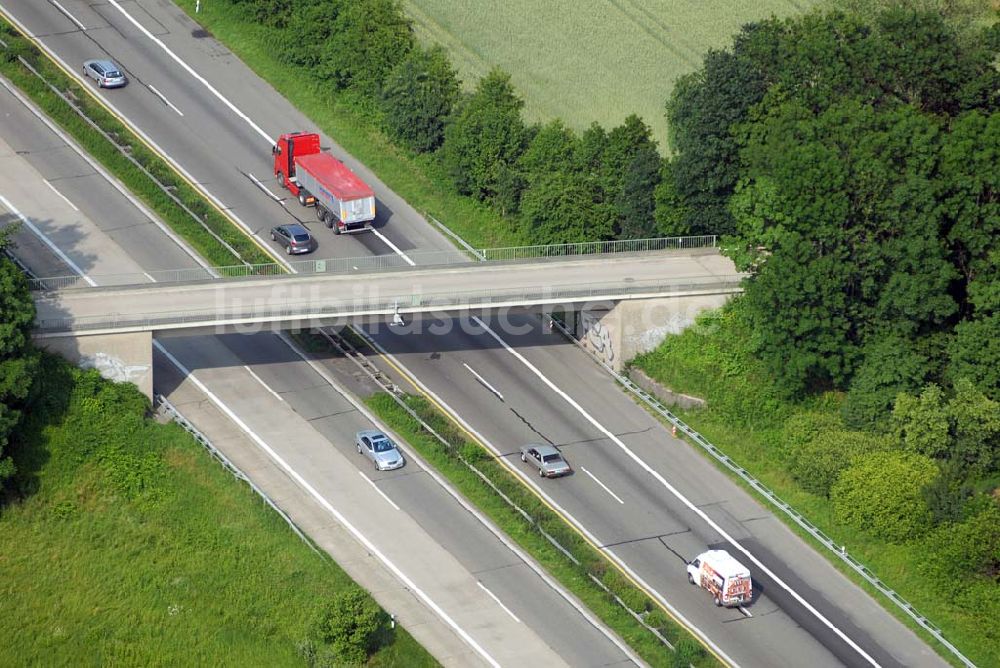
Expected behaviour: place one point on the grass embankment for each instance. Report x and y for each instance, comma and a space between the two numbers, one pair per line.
588, 60
745, 418
109, 155
572, 576
417, 179
127, 545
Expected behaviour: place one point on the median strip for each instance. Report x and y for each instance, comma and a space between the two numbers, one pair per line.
581, 569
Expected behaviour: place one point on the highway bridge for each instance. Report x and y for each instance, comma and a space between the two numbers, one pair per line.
318, 299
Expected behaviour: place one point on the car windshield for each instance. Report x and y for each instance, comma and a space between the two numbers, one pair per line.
551, 459
382, 445
301, 237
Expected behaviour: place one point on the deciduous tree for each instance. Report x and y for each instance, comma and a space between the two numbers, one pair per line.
417, 98
18, 359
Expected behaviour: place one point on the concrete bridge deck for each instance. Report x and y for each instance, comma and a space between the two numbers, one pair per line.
316, 299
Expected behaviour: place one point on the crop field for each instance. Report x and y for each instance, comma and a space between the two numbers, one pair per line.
588, 60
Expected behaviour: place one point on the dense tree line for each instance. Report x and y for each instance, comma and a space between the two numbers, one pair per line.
553, 183
853, 160
18, 358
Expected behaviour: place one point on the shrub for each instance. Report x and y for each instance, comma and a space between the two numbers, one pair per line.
817, 463
348, 629
957, 554
881, 494
687, 652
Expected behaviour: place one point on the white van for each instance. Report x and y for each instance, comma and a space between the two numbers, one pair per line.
727, 579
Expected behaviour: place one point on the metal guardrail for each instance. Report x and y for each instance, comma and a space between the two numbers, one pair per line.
175, 415
403, 303
430, 258
839, 551
361, 361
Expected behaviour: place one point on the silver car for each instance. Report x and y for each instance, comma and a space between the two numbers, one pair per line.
380, 449
105, 73
547, 458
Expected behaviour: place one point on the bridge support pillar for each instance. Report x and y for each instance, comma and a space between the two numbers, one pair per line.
614, 333
123, 358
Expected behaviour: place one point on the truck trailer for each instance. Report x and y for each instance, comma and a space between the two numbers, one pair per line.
725, 578
343, 202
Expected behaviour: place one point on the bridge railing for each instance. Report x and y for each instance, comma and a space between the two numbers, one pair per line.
432, 258
305, 311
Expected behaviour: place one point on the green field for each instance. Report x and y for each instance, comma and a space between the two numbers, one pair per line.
128, 545
589, 60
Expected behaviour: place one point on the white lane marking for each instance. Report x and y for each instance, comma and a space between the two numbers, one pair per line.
483, 381
260, 185
603, 486
164, 98
670, 488
375, 487
494, 597
55, 249
152, 280
156, 40
170, 234
360, 537
393, 246
531, 480
68, 15
65, 199
266, 386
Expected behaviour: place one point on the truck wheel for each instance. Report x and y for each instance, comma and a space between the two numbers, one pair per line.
281, 180
690, 578
541, 473
334, 224
302, 197
718, 601
523, 458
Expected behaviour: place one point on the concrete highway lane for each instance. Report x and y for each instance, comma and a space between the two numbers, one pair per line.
632, 516
226, 149
445, 549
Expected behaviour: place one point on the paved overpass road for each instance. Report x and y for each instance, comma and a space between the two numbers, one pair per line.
305, 299
218, 148
633, 516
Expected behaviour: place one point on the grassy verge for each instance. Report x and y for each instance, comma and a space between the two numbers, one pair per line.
417, 179
124, 543
576, 578
109, 155
744, 419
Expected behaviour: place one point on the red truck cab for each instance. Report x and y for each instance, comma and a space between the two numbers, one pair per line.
343, 201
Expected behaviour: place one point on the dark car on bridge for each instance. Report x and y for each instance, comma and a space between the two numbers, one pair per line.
294, 237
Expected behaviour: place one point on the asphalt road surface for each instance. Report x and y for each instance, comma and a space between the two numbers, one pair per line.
222, 150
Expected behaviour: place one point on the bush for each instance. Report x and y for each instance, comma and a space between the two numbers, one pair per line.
817, 463
348, 629
958, 554
881, 494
